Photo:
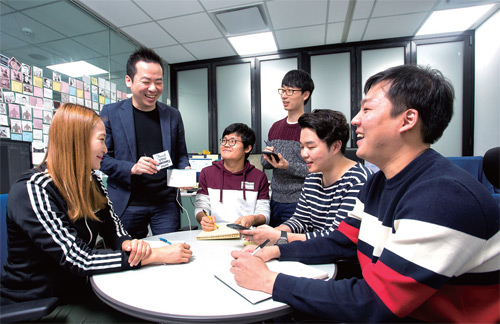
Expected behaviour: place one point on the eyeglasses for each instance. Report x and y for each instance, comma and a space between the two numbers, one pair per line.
289, 92
230, 142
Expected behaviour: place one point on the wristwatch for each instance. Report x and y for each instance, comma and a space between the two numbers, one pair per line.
283, 238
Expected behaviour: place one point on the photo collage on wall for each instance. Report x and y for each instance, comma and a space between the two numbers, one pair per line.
28, 100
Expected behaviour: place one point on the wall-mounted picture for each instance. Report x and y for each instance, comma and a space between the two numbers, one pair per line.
37, 135
4, 60
4, 132
22, 99
47, 116
4, 72
27, 76
3, 108
4, 120
16, 75
14, 64
27, 126
26, 113
56, 76
13, 111
47, 83
9, 97
15, 126
38, 72
47, 104
37, 123
5, 83
28, 89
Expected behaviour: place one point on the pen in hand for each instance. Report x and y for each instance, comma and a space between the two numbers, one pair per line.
204, 211
260, 247
166, 241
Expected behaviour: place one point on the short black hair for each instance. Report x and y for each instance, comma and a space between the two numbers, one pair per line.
300, 79
329, 125
242, 130
142, 54
423, 89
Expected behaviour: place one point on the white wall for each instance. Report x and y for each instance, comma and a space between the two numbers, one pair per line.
487, 86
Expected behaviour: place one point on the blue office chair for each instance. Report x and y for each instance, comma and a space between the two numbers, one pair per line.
24, 311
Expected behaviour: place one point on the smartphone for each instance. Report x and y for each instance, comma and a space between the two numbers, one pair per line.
237, 227
276, 158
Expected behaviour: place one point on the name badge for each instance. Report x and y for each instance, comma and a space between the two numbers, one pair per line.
248, 185
163, 159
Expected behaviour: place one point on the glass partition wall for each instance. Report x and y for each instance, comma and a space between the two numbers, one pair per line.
246, 90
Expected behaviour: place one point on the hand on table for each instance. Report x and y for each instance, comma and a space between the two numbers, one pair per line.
138, 249
251, 272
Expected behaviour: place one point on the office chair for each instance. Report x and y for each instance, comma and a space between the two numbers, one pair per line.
491, 166
24, 311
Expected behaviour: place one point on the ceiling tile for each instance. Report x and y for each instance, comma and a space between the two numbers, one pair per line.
338, 10
363, 9
9, 42
20, 5
13, 23
290, 14
70, 50
175, 54
394, 26
120, 44
160, 9
202, 28
99, 42
73, 22
398, 7
356, 31
210, 49
150, 35
5, 9
223, 4
118, 12
334, 33
301, 37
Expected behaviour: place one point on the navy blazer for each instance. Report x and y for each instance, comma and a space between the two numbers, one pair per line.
117, 164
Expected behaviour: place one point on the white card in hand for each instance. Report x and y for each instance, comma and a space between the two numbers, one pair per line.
181, 178
163, 159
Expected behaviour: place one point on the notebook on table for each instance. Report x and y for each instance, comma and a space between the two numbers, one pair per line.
292, 268
221, 233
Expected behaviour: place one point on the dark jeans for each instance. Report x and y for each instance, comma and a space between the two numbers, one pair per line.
281, 212
163, 218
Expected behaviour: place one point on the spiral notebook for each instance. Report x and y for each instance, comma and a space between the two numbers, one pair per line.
292, 268
221, 233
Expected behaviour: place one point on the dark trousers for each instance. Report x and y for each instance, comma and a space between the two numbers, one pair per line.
281, 212
163, 218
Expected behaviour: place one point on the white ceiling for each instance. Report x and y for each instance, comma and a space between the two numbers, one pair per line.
186, 30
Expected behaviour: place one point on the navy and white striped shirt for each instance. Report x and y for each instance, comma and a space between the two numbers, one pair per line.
321, 209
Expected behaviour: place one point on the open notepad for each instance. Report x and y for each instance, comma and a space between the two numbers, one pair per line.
292, 268
221, 233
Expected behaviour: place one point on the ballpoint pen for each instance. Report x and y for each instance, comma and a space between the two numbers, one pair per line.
165, 240
260, 247
204, 211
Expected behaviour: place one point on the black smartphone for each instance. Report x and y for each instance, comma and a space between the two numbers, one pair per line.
276, 157
237, 227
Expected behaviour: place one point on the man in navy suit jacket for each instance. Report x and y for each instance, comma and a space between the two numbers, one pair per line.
136, 129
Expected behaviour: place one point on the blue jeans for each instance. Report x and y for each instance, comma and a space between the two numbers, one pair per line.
281, 212
163, 218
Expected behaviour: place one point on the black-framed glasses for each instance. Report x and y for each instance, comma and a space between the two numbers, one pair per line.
289, 92
230, 142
